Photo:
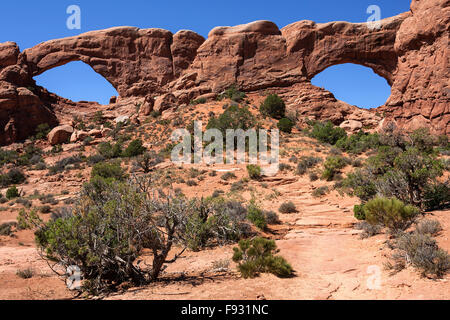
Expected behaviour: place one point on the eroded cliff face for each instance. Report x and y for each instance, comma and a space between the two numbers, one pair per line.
409, 50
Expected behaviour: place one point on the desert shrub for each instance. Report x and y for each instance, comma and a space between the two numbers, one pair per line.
361, 184
271, 217
96, 158
232, 93
106, 232
238, 186
358, 211
107, 170
228, 176
256, 216
98, 118
287, 207
437, 196
234, 117
48, 198
313, 176
284, 167
148, 160
359, 142
45, 209
110, 151
391, 213
285, 125
332, 167
198, 101
42, 131
12, 193
305, 163
135, 148
13, 176
422, 252
65, 164
25, 273
6, 229
326, 132
257, 256
254, 171
217, 193
8, 156
191, 183
273, 106
431, 227
215, 221
320, 192
369, 230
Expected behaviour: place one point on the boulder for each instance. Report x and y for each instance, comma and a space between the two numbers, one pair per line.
60, 135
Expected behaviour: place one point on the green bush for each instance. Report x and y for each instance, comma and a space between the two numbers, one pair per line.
42, 131
359, 142
234, 117
358, 210
285, 125
273, 106
12, 193
107, 231
232, 93
391, 213
107, 170
326, 132
256, 216
437, 196
254, 171
109, 151
257, 256
215, 221
135, 148
332, 166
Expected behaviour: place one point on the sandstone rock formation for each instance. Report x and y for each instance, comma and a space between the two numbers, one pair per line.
60, 134
409, 50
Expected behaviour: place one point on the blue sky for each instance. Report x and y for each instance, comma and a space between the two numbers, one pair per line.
30, 22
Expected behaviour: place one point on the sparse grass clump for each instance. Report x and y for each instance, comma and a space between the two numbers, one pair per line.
257, 256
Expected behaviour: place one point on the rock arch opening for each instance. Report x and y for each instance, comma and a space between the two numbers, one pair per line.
354, 84
77, 81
